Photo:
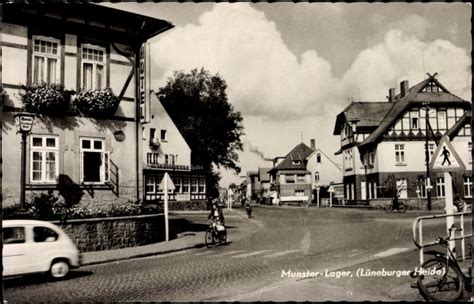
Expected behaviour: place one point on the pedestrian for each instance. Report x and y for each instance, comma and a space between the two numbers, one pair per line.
459, 203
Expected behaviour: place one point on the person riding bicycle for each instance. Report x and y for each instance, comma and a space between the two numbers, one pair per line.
396, 202
248, 208
216, 213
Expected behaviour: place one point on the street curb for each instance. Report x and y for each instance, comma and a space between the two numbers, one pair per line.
142, 255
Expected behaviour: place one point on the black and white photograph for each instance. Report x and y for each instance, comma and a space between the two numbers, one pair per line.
236, 151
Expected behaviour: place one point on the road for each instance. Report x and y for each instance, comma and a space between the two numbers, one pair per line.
250, 267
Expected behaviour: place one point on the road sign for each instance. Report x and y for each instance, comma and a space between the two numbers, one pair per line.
169, 182
445, 158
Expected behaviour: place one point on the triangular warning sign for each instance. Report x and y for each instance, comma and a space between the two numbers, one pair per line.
445, 158
170, 183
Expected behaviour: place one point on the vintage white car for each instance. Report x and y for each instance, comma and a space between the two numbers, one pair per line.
31, 246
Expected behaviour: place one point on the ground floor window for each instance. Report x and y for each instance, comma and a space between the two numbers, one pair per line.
44, 158
422, 188
350, 191
467, 186
402, 188
94, 162
299, 192
372, 190
440, 187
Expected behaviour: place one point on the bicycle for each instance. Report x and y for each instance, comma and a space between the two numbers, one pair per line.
402, 208
442, 278
216, 233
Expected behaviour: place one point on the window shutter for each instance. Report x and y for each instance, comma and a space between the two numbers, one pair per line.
81, 167
106, 164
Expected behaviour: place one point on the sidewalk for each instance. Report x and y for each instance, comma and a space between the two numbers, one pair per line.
184, 241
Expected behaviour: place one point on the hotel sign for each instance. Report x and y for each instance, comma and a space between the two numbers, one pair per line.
144, 82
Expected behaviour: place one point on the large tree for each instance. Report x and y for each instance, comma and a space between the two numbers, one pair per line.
197, 103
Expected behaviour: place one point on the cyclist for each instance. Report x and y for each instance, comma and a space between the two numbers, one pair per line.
216, 213
395, 202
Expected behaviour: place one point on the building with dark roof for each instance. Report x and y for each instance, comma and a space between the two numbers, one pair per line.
384, 139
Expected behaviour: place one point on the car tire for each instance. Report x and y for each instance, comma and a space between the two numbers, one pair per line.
59, 269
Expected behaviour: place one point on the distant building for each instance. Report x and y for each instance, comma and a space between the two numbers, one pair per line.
165, 150
383, 139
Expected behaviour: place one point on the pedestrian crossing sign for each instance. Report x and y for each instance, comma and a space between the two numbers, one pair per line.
445, 158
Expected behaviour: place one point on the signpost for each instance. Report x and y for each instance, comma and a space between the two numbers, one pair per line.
445, 159
331, 191
166, 185
318, 188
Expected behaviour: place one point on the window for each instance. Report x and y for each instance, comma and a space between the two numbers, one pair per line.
93, 67
299, 192
414, 125
372, 190
150, 184
352, 191
163, 135
296, 162
194, 185
202, 185
371, 158
46, 60
44, 234
402, 188
185, 185
152, 158
467, 186
177, 184
13, 235
422, 187
44, 159
152, 133
166, 159
318, 158
442, 120
431, 150
316, 177
469, 147
440, 186
399, 154
289, 179
94, 161
301, 178
348, 158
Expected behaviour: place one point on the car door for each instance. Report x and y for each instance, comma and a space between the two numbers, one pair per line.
16, 250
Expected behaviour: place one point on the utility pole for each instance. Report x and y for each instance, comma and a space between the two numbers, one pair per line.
427, 156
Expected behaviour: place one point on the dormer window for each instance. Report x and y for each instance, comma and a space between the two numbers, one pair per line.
432, 87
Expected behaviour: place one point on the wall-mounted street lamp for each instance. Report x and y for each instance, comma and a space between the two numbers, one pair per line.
24, 124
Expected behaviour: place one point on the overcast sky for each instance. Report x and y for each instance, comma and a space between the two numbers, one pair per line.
291, 68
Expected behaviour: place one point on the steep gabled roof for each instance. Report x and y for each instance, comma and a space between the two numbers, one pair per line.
367, 114
401, 104
299, 153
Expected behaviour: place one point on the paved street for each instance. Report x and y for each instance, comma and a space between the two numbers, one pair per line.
250, 267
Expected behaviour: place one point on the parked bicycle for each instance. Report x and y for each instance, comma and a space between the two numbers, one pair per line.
441, 278
216, 234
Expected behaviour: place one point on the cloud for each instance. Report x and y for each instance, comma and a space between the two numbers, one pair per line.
266, 79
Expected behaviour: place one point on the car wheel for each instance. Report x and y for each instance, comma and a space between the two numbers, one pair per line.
59, 269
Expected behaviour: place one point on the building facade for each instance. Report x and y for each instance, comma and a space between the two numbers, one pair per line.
383, 141
165, 150
89, 148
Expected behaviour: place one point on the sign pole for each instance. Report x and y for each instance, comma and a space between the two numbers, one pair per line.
330, 199
449, 204
166, 208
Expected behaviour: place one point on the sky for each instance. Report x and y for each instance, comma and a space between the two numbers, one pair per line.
291, 68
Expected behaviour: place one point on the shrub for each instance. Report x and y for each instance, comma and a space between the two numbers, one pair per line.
45, 98
96, 102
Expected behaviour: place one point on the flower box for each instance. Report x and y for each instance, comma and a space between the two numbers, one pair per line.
96, 103
45, 98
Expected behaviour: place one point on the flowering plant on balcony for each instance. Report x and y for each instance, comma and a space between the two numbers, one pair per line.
45, 98
97, 102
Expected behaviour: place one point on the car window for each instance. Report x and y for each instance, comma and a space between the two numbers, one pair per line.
44, 234
13, 235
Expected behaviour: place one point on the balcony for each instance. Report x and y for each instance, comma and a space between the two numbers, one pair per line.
154, 163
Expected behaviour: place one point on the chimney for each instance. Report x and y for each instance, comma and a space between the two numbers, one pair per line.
404, 88
391, 95
313, 144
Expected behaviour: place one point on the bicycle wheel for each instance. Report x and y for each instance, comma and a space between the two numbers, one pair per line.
402, 208
443, 282
388, 208
223, 237
209, 238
